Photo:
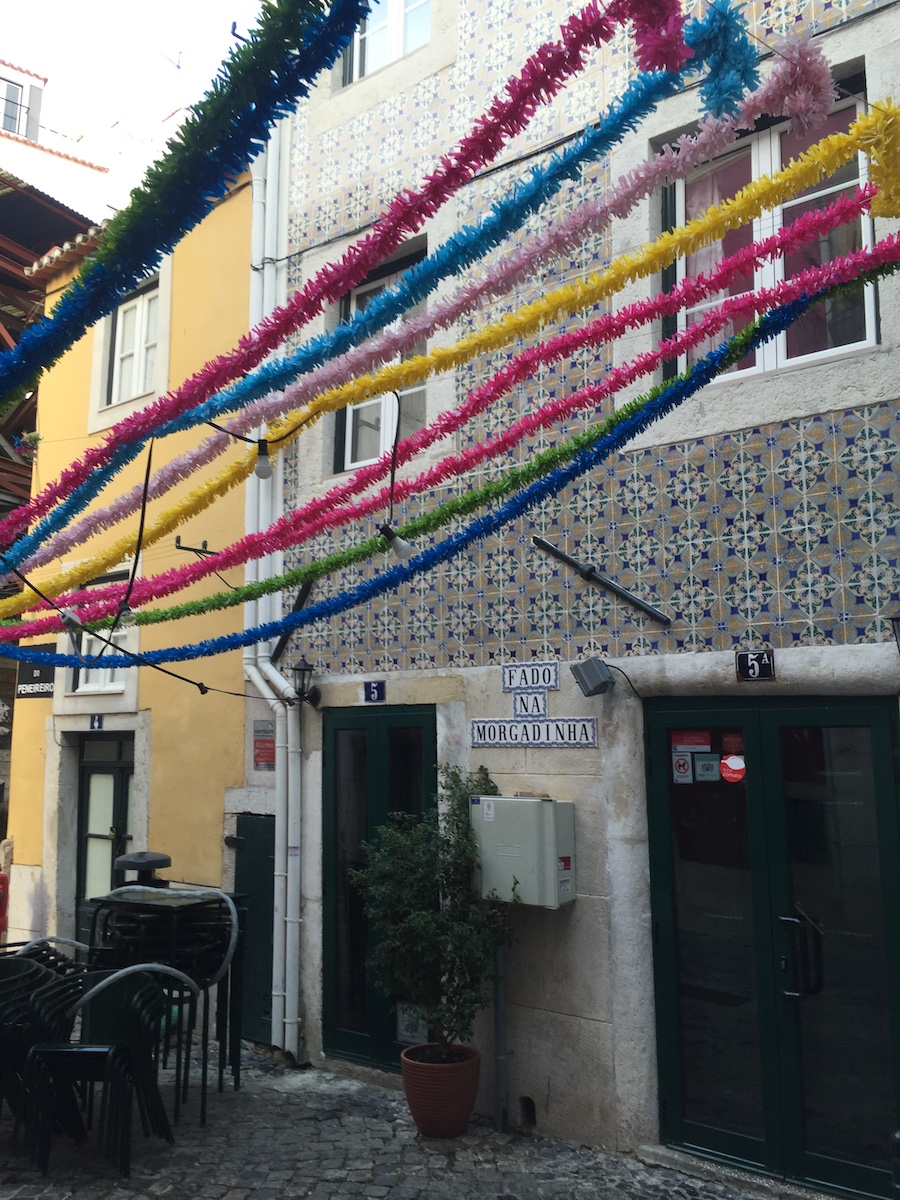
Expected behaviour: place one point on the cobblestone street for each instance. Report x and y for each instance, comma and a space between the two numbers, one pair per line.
305, 1133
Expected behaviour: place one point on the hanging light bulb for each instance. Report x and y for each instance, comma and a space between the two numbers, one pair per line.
399, 545
75, 628
263, 468
71, 620
125, 618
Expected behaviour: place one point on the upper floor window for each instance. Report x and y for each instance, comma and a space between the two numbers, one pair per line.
392, 29
107, 676
830, 327
363, 432
133, 360
12, 108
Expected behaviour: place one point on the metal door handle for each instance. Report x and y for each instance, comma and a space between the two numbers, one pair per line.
806, 957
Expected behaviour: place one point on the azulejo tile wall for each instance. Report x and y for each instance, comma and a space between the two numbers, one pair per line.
782, 534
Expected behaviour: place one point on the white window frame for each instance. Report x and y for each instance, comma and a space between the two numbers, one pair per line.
109, 677
14, 95
765, 160
385, 407
138, 358
394, 28
105, 410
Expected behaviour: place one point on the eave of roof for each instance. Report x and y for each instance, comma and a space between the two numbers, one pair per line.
66, 255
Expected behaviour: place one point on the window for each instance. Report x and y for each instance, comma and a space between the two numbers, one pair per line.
130, 352
363, 432
12, 110
108, 676
392, 29
832, 326
134, 340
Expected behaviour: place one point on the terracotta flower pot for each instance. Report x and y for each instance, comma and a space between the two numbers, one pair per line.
440, 1095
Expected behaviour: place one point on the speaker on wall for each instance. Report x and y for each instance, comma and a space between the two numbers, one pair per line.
593, 676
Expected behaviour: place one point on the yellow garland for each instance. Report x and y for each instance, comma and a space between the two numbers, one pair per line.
875, 134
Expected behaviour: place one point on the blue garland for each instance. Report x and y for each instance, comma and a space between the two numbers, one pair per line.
189, 194
722, 34
669, 398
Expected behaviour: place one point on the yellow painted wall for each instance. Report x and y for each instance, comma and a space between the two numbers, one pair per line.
196, 749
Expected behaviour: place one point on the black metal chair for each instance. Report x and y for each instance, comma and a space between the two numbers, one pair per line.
20, 978
196, 930
122, 1017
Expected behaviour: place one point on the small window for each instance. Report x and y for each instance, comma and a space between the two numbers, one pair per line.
12, 110
364, 432
830, 327
392, 29
108, 675
133, 361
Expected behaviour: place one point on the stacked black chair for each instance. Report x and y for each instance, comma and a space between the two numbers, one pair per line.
122, 1014
20, 978
197, 931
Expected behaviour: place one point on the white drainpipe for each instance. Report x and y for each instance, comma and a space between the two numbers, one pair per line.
270, 174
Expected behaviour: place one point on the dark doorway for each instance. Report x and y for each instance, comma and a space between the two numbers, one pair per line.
377, 761
774, 854
254, 883
105, 771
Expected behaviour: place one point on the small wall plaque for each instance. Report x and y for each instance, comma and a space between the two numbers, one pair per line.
753, 665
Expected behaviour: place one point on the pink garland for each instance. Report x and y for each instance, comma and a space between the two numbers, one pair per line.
542, 77
799, 87
297, 527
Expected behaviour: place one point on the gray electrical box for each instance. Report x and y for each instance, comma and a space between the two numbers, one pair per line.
528, 840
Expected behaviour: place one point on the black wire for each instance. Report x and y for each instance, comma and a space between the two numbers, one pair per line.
256, 441
613, 667
123, 603
140, 533
201, 554
139, 658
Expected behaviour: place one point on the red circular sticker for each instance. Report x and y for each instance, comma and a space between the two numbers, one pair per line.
733, 768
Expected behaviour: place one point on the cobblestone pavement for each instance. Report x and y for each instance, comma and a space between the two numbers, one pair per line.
306, 1133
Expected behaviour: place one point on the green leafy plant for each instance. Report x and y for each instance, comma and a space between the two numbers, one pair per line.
435, 934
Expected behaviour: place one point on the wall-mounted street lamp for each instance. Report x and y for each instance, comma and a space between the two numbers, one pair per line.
303, 672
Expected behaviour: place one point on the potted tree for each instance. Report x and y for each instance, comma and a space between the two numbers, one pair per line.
435, 942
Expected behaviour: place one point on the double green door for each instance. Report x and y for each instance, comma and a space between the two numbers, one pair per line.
377, 761
774, 875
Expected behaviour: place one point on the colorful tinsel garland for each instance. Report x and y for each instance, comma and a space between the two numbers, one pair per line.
258, 84
465, 247
326, 513
799, 86
541, 78
625, 424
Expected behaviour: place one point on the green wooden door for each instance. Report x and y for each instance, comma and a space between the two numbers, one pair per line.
774, 856
376, 761
254, 883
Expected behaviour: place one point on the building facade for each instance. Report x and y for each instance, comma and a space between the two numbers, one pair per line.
730, 960
118, 758
723, 972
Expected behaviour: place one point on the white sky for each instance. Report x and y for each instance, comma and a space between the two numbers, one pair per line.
117, 70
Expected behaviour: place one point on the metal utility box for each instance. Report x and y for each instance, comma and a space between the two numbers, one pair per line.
528, 839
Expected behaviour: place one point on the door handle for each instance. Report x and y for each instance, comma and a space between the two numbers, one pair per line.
806, 957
